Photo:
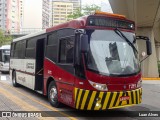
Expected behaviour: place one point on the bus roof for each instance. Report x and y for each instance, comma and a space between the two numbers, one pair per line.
75, 23
5, 47
78, 23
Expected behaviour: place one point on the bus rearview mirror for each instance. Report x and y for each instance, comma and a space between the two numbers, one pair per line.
148, 44
84, 45
149, 47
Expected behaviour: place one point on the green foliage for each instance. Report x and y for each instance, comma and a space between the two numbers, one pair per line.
86, 10
5, 39
76, 14
89, 8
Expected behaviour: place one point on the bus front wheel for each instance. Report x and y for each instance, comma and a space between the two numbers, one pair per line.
14, 82
53, 95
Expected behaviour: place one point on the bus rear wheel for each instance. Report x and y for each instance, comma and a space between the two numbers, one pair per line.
53, 95
14, 82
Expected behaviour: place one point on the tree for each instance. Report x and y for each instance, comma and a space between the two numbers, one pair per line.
76, 14
86, 10
5, 39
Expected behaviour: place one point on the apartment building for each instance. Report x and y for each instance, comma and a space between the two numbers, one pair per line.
60, 9
76, 4
21, 12
10, 13
45, 14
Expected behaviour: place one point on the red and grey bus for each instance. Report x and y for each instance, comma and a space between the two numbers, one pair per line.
90, 63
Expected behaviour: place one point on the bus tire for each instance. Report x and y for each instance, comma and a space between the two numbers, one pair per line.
14, 82
53, 95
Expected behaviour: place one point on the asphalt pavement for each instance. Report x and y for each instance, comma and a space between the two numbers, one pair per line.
23, 101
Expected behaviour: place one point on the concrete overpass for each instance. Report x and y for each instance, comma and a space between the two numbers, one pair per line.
146, 14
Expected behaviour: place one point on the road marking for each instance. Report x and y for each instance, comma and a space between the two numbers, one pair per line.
45, 105
3, 77
21, 103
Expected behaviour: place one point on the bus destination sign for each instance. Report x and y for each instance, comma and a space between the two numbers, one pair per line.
110, 22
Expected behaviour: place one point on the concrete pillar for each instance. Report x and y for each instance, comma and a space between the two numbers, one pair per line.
158, 50
149, 66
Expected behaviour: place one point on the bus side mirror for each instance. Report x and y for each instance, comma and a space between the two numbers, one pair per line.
148, 44
84, 45
149, 47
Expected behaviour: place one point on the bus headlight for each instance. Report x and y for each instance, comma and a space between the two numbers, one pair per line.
139, 84
98, 86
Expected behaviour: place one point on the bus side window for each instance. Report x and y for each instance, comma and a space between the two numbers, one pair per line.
23, 48
51, 48
16, 49
66, 50
12, 49
30, 48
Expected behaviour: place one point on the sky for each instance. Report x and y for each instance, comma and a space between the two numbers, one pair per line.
104, 4
32, 16
35, 5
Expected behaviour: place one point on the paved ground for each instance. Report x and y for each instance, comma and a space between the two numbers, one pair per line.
23, 99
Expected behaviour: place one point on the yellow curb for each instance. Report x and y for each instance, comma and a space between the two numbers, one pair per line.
150, 78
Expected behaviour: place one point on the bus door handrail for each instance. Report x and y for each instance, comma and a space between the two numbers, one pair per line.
40, 71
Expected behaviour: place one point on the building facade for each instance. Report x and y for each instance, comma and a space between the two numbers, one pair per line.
21, 13
76, 4
60, 9
20, 16
10, 13
45, 14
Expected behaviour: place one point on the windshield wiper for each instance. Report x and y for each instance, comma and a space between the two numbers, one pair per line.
118, 32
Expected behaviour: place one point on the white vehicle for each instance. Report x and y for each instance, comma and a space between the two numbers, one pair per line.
4, 58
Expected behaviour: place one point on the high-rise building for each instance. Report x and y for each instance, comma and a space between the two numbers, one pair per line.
10, 14
21, 13
76, 4
60, 9
45, 14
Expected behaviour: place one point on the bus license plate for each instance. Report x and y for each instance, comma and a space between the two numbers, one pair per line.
124, 98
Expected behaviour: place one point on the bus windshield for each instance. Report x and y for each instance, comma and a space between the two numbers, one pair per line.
6, 56
110, 54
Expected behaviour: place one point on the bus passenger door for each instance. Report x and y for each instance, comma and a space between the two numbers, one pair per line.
66, 73
39, 64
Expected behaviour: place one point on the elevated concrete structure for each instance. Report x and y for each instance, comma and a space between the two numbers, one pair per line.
146, 14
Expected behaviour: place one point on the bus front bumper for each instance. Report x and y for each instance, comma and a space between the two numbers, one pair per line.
96, 100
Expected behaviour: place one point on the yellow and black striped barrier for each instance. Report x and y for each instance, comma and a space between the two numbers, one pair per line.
96, 100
